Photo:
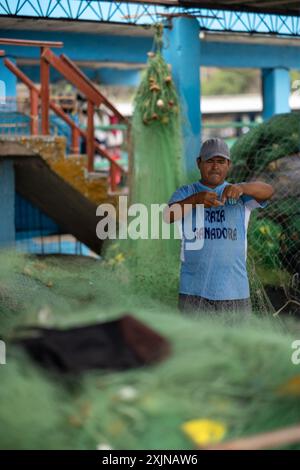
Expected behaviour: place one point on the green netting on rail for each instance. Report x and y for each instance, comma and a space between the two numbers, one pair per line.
271, 153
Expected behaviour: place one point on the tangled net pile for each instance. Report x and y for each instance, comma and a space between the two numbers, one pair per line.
240, 375
271, 153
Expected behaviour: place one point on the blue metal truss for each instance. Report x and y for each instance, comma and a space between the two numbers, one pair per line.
145, 14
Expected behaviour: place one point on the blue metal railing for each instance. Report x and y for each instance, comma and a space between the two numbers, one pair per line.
14, 123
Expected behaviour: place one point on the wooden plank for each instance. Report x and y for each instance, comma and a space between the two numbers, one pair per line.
30, 43
45, 94
264, 441
90, 140
75, 147
34, 111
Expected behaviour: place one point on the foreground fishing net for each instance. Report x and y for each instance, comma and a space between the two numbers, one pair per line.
239, 375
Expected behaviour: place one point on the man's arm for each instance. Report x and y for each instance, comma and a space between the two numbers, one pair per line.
256, 189
260, 191
178, 210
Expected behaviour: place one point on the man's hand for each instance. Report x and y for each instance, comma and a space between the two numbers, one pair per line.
208, 199
180, 209
232, 193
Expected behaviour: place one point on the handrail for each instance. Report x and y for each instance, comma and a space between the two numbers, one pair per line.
30, 43
73, 74
104, 100
112, 127
21, 75
72, 77
26, 80
224, 125
68, 69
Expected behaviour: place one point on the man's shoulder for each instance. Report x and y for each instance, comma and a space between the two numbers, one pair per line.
191, 187
183, 192
188, 187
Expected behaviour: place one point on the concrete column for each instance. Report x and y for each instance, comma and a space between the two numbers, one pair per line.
276, 91
182, 51
7, 203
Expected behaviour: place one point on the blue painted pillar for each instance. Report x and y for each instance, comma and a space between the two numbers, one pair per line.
182, 51
8, 86
7, 203
276, 91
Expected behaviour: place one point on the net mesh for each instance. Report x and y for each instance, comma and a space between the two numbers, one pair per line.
270, 153
158, 172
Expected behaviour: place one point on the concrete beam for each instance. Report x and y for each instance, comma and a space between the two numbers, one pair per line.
232, 54
84, 46
215, 51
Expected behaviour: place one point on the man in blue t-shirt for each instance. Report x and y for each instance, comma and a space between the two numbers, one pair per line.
214, 278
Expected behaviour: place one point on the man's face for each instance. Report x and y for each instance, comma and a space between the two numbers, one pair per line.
214, 170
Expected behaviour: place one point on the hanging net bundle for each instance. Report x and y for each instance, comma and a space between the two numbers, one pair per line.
157, 172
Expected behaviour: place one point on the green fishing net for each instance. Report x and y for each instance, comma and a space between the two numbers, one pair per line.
271, 153
157, 172
237, 373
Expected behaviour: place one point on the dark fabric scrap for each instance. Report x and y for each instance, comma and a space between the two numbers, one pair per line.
119, 344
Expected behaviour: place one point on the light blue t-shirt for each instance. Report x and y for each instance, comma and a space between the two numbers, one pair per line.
218, 270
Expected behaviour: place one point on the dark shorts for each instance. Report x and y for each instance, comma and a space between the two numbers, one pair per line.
196, 304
